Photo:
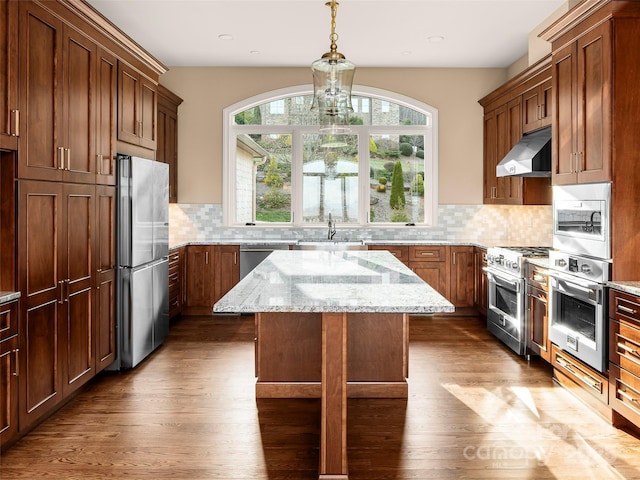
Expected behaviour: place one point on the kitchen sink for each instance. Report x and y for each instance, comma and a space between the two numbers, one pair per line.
330, 245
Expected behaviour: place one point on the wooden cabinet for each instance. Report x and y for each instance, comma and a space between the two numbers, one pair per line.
56, 235
462, 276
582, 73
519, 106
107, 104
624, 356
538, 312
536, 107
58, 99
9, 372
200, 279
481, 285
137, 107
105, 316
176, 281
9, 114
167, 152
583, 381
430, 263
212, 270
227, 271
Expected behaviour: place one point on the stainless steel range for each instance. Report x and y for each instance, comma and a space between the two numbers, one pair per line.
506, 316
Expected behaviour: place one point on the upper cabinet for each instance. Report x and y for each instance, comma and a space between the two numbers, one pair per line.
58, 103
137, 107
167, 152
9, 114
107, 105
582, 93
519, 106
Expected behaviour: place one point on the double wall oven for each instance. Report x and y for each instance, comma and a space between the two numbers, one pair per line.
579, 267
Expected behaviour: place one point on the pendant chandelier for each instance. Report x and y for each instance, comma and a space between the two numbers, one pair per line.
332, 81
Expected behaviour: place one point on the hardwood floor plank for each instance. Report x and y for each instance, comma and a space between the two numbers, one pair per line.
474, 411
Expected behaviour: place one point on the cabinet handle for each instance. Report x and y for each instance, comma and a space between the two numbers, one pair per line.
427, 254
15, 131
16, 373
454, 258
66, 297
68, 159
60, 158
628, 310
587, 380
139, 129
235, 258
99, 159
624, 394
61, 292
206, 258
628, 350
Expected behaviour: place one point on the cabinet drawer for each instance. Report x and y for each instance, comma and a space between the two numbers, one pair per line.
401, 252
624, 345
538, 277
583, 376
174, 279
428, 253
8, 320
625, 393
623, 306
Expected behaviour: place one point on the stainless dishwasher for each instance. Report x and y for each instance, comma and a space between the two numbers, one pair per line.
252, 255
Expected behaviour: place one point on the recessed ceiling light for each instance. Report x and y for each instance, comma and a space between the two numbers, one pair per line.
435, 38
225, 36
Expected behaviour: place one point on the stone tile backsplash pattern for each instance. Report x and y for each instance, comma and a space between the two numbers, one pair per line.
484, 224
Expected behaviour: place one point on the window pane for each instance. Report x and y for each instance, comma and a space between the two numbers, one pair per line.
263, 178
296, 110
400, 199
330, 178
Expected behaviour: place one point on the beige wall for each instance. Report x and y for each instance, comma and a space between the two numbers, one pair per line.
454, 92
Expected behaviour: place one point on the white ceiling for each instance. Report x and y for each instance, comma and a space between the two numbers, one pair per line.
372, 33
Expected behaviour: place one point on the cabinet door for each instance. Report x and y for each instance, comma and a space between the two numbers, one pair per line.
107, 75
594, 105
227, 269
200, 276
512, 134
497, 142
40, 263
105, 323
76, 315
148, 113
435, 274
9, 128
563, 125
536, 107
462, 276
8, 389
167, 150
538, 340
79, 108
137, 107
480, 281
40, 94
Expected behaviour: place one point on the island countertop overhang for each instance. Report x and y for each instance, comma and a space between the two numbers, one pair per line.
333, 281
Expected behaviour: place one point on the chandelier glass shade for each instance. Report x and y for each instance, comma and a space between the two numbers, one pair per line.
332, 84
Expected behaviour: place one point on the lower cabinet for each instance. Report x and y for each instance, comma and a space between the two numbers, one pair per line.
462, 276
480, 283
624, 358
537, 312
430, 263
9, 351
176, 281
212, 270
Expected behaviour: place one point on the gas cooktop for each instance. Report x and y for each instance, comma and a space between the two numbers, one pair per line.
511, 259
526, 251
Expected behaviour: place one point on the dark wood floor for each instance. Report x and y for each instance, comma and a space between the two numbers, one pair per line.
474, 411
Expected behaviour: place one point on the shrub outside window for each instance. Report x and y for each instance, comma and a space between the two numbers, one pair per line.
280, 170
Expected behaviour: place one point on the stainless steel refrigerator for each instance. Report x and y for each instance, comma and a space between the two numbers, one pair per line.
143, 248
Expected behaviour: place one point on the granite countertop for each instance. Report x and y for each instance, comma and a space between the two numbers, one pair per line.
631, 287
6, 297
354, 281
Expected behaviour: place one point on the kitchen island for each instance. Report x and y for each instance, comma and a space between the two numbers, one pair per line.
332, 325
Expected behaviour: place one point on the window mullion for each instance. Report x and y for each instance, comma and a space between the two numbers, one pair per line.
296, 176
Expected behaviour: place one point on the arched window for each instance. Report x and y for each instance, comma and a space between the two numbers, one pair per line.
279, 169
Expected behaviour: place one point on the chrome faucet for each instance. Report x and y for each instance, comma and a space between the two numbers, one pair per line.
332, 228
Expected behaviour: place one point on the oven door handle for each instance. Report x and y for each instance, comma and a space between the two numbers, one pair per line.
514, 284
573, 286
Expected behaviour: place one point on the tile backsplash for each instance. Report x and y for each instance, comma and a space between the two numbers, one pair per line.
488, 224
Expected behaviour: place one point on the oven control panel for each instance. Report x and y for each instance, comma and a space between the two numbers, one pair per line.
588, 268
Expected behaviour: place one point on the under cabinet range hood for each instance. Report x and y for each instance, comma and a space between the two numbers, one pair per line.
531, 156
